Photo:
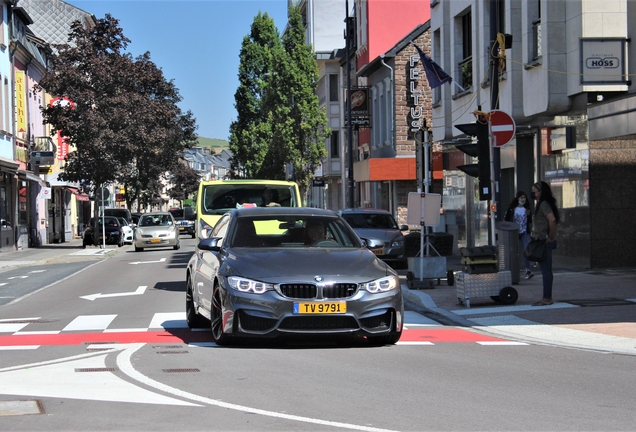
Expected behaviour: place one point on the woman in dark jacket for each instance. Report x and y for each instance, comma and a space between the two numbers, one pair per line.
520, 212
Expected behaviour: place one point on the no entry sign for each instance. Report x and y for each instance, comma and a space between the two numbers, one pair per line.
502, 127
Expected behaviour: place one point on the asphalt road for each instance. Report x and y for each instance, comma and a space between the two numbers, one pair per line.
106, 348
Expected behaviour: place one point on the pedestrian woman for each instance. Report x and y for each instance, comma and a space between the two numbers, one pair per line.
546, 218
519, 211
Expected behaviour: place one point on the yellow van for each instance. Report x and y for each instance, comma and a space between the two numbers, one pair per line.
216, 197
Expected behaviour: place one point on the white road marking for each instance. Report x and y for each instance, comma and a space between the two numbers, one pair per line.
147, 262
125, 365
17, 277
18, 347
90, 322
138, 291
414, 343
12, 327
169, 320
58, 379
495, 343
37, 271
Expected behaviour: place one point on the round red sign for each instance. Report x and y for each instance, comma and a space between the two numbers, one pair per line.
502, 127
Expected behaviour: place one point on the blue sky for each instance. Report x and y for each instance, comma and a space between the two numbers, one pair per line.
195, 43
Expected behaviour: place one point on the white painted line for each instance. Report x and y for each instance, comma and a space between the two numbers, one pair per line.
414, 343
125, 365
502, 343
12, 328
3, 284
509, 309
90, 252
147, 262
19, 319
102, 346
90, 322
139, 291
632, 300
22, 333
203, 344
37, 271
59, 379
17, 277
126, 330
169, 320
19, 347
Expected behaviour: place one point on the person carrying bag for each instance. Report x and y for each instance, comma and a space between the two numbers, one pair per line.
546, 218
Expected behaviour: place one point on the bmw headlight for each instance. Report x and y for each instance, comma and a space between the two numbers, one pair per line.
248, 285
384, 284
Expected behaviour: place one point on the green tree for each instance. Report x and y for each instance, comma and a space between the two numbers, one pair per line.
184, 181
250, 133
124, 122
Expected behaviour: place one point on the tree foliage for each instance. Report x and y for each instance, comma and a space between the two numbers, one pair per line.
124, 122
184, 180
280, 121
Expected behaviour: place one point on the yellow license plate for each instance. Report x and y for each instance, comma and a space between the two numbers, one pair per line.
181, 228
155, 240
320, 308
378, 251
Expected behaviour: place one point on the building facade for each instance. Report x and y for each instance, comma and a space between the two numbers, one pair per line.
562, 76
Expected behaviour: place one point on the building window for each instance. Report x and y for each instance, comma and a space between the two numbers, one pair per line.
465, 66
334, 88
534, 13
6, 104
361, 16
335, 144
388, 109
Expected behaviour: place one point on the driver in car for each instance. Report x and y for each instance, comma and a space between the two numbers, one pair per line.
314, 233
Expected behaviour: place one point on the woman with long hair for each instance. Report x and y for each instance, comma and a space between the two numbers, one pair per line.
519, 211
546, 218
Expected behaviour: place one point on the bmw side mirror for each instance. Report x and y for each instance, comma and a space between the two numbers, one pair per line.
210, 244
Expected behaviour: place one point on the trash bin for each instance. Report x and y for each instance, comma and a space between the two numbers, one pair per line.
508, 245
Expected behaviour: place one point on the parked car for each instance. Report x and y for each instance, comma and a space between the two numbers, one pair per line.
380, 224
261, 272
156, 229
108, 228
185, 220
127, 230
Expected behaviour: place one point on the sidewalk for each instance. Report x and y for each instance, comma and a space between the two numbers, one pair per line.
593, 309
58, 252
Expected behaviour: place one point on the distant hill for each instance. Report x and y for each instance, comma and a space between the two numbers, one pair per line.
216, 145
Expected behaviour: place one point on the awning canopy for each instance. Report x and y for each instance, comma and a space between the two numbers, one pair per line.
30, 176
79, 196
8, 165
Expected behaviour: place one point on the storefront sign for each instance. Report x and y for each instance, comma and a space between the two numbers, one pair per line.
359, 107
20, 103
603, 61
415, 117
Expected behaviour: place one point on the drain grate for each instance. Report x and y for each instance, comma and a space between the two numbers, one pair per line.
167, 346
608, 301
104, 369
180, 370
172, 352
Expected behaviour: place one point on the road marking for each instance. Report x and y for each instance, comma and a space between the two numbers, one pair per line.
90, 322
508, 309
125, 365
169, 320
19, 347
17, 277
147, 262
58, 379
37, 271
138, 291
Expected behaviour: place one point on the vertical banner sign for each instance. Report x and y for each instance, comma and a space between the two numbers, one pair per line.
62, 143
20, 104
415, 117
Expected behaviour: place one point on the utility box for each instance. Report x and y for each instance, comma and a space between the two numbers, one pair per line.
479, 260
508, 245
22, 238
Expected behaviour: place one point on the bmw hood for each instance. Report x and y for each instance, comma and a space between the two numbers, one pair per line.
278, 265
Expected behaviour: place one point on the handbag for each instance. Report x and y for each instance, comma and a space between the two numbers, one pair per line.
536, 250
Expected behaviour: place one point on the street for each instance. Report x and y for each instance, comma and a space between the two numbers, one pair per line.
102, 344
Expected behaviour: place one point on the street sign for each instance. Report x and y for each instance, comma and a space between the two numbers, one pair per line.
502, 127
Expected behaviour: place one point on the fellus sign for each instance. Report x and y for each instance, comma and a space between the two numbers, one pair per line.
502, 127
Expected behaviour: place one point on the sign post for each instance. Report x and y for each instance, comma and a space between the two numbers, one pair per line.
502, 131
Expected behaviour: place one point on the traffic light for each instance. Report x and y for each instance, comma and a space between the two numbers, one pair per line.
481, 151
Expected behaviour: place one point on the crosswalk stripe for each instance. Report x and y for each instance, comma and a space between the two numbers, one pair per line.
90, 322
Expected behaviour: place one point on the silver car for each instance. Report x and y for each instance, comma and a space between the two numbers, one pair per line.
280, 270
156, 229
380, 224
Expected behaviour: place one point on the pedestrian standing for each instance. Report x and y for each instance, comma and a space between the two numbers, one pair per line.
519, 211
546, 218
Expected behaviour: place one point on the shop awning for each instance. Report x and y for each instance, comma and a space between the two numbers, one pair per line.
79, 196
30, 176
8, 165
